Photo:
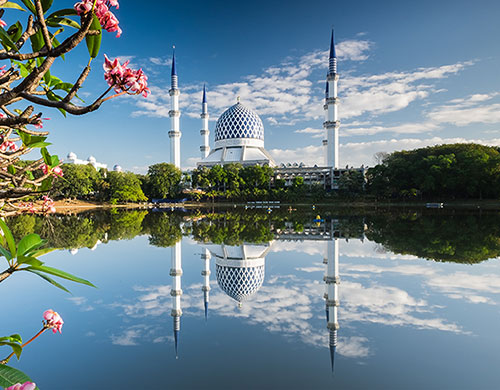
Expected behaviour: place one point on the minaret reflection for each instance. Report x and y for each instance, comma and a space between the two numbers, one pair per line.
205, 256
332, 280
176, 291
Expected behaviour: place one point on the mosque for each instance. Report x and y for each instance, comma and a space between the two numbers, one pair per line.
239, 135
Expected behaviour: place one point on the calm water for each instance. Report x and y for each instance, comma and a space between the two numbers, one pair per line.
418, 301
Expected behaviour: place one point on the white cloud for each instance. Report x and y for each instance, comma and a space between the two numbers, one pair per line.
460, 116
161, 61
315, 133
405, 128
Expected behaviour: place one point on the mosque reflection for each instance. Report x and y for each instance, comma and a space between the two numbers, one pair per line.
240, 271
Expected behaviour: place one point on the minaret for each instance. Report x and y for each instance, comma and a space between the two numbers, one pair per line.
325, 141
176, 291
332, 123
206, 278
174, 114
332, 299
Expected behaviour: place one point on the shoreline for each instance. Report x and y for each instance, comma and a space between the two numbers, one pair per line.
67, 206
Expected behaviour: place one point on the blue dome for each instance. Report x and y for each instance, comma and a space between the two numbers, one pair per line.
239, 282
239, 122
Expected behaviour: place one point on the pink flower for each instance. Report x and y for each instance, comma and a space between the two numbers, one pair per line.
107, 19
24, 386
8, 145
53, 320
122, 78
39, 124
44, 168
2, 23
48, 205
58, 171
29, 207
2, 72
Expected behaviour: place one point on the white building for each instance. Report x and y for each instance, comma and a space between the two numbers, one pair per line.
73, 159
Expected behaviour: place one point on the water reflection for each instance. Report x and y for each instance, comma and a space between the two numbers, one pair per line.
240, 272
275, 282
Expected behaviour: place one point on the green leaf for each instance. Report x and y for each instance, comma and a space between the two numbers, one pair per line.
61, 274
15, 347
25, 137
10, 376
37, 42
94, 41
58, 22
46, 156
29, 5
54, 161
15, 31
29, 260
46, 184
46, 5
29, 242
11, 169
45, 277
54, 80
64, 86
5, 253
46, 77
40, 252
6, 41
8, 236
9, 4
14, 338
30, 175
63, 12
40, 144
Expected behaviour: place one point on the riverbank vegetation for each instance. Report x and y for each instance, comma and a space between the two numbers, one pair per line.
444, 172
440, 235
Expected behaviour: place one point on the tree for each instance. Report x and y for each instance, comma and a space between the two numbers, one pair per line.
351, 183
163, 180
125, 187
79, 181
451, 171
32, 50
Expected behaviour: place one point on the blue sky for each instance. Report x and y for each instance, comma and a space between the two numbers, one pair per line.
412, 74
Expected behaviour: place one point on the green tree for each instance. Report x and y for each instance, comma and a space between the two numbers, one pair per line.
79, 181
124, 187
163, 181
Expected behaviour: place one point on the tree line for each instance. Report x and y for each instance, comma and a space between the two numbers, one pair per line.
455, 171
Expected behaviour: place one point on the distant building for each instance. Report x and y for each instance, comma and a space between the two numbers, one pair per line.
73, 159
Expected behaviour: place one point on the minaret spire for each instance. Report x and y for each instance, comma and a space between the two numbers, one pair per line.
176, 291
205, 147
174, 114
332, 280
332, 123
332, 66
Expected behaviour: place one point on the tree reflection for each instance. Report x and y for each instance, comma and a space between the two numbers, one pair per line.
455, 237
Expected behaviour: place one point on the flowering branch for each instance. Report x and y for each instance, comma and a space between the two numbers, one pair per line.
29, 79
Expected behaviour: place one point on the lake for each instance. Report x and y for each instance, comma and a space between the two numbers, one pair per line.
403, 298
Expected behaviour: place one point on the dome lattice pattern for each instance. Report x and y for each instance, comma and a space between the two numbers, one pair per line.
239, 122
239, 283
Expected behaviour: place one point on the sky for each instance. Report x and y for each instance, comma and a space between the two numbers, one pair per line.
412, 74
